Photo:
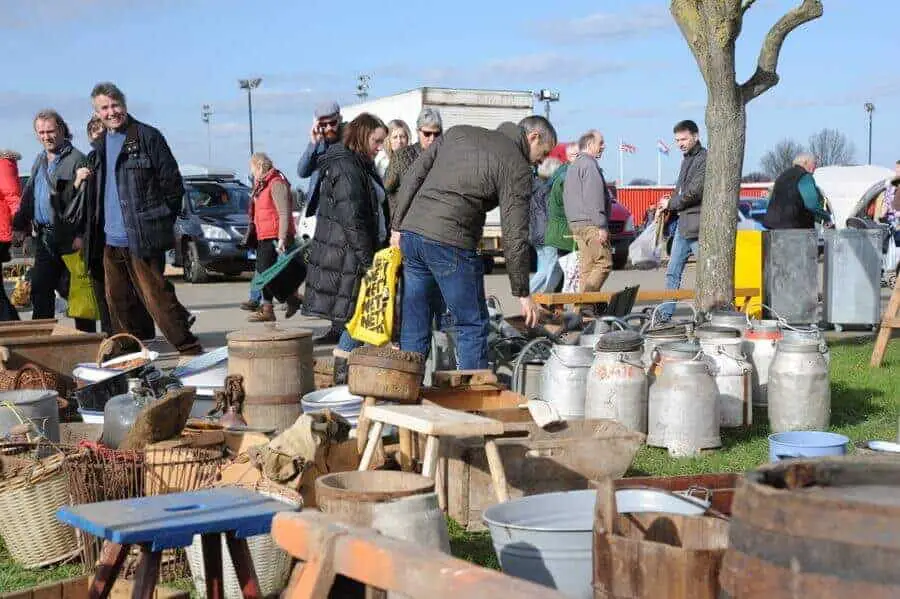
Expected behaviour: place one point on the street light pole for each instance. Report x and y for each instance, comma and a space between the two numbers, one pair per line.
546, 96
250, 85
205, 113
870, 108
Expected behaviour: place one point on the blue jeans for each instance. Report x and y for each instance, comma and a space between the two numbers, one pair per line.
548, 273
432, 271
347, 343
681, 250
255, 295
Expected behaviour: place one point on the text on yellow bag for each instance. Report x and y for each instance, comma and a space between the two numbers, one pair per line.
373, 321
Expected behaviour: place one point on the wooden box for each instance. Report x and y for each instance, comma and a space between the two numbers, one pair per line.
78, 588
718, 489
50, 345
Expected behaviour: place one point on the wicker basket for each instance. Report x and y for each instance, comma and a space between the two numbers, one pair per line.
97, 473
31, 492
272, 564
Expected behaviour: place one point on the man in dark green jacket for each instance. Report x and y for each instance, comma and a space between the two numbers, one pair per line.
796, 202
439, 221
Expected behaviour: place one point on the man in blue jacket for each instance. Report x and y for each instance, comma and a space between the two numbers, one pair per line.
326, 131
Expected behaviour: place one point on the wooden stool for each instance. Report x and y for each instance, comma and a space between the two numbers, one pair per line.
170, 521
435, 422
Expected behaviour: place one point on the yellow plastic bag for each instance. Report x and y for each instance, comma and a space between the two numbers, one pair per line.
373, 321
82, 302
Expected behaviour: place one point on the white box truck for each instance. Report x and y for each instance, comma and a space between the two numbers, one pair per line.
480, 107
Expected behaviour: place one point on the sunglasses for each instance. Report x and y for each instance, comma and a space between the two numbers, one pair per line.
328, 124
429, 133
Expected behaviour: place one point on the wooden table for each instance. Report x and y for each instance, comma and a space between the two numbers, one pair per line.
647, 296
170, 521
435, 422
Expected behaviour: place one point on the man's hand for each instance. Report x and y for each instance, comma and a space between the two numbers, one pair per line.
530, 311
395, 239
315, 134
77, 244
18, 238
81, 174
664, 202
602, 237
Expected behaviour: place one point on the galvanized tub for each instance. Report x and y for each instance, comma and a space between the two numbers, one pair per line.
564, 379
617, 383
799, 393
37, 406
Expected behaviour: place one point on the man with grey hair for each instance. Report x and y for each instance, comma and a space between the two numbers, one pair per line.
428, 128
139, 193
796, 202
45, 199
438, 223
588, 205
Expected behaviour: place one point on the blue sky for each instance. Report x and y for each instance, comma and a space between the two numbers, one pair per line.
619, 66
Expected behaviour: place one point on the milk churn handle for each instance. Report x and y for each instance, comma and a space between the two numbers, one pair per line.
652, 320
623, 358
519, 385
742, 357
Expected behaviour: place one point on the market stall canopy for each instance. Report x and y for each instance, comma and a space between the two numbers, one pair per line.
849, 189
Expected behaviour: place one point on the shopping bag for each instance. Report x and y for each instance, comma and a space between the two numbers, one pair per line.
571, 272
21, 294
644, 252
373, 321
82, 303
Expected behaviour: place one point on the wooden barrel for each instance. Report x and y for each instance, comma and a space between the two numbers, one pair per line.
277, 367
351, 496
828, 529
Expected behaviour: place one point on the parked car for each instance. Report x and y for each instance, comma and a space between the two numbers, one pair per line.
212, 221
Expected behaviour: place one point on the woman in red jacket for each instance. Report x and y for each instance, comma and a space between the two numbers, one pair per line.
10, 194
271, 216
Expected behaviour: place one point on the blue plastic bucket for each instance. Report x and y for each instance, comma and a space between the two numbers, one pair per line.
806, 444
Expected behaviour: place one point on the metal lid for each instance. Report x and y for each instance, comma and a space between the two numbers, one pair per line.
620, 341
672, 329
764, 326
709, 331
679, 350
264, 334
800, 346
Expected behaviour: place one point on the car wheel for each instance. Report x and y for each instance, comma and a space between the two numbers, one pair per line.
194, 272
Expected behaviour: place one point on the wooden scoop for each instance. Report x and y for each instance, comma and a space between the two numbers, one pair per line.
543, 413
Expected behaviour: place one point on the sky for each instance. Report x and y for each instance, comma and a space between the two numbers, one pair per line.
620, 66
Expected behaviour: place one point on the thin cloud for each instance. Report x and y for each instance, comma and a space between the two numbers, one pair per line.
636, 22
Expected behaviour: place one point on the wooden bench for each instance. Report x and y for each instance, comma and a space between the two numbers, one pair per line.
329, 548
650, 296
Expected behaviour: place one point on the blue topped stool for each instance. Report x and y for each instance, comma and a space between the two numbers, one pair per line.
170, 521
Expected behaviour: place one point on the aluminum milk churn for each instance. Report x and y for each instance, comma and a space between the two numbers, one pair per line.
760, 340
723, 349
728, 318
564, 379
799, 391
617, 383
665, 333
664, 356
688, 408
811, 335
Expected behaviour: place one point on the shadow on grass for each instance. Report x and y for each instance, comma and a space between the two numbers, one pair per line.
855, 405
475, 547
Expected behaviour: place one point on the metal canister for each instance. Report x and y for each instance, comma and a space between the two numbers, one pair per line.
667, 333
723, 350
728, 318
617, 383
664, 356
760, 340
799, 393
813, 335
564, 379
687, 416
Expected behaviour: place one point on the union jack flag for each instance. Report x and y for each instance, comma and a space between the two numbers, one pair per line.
624, 147
662, 147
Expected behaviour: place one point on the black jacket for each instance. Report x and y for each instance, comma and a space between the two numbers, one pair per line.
62, 193
150, 190
786, 209
688, 195
85, 217
467, 172
538, 211
346, 237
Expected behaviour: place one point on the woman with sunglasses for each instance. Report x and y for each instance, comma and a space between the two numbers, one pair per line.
350, 228
429, 127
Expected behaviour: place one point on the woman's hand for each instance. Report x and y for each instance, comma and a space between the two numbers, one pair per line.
281, 247
81, 174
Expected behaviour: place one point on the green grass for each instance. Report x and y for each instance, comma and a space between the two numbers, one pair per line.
865, 404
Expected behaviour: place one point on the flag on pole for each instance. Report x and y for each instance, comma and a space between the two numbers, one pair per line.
624, 147
662, 147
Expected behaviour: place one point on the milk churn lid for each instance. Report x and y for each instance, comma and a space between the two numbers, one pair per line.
667, 330
709, 331
685, 350
267, 334
620, 341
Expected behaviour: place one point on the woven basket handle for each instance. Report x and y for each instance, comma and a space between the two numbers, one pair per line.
107, 345
42, 376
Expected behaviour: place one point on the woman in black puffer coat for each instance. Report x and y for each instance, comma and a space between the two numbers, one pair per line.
350, 227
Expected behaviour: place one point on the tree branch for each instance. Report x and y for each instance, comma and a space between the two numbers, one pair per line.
747, 4
688, 17
766, 75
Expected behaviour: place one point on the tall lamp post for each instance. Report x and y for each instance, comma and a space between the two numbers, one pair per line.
205, 113
870, 108
546, 96
250, 85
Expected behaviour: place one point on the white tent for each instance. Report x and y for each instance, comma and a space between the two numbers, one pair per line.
849, 189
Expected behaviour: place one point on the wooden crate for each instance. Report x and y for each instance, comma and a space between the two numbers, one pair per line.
54, 347
719, 487
78, 588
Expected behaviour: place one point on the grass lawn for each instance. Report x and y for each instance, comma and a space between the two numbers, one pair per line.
865, 405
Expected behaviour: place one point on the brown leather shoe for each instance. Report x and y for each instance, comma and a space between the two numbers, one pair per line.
266, 313
249, 306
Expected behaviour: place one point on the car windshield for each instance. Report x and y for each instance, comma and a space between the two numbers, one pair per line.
213, 198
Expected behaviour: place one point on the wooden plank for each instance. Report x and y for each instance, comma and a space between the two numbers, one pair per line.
458, 378
435, 420
390, 564
643, 296
888, 324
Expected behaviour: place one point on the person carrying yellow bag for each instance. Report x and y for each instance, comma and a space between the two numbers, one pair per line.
373, 321
82, 301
